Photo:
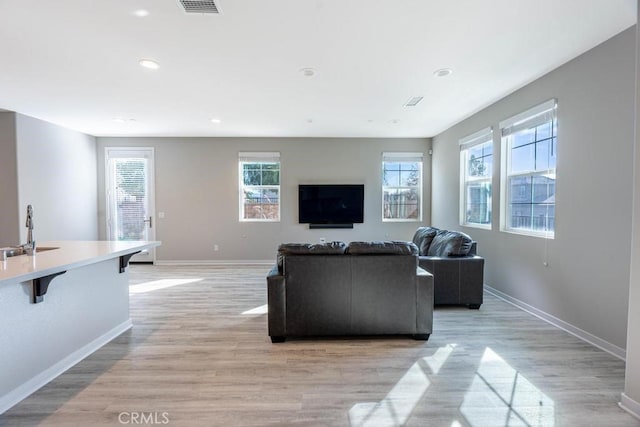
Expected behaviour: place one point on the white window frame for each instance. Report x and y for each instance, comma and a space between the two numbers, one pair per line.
257, 157
484, 136
528, 119
401, 157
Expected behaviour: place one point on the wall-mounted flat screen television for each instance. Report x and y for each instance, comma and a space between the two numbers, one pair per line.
330, 204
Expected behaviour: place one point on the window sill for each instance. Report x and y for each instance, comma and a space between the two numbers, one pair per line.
541, 235
480, 226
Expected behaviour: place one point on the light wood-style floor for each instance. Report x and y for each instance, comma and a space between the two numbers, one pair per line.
198, 355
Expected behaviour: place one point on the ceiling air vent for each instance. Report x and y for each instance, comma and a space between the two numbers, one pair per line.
412, 102
199, 6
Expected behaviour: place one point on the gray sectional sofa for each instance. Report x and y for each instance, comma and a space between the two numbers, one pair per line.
457, 270
364, 288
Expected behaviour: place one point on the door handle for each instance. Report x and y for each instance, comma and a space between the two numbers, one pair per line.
149, 221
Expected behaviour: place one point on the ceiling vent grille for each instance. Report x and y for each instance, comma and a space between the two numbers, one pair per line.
199, 6
412, 102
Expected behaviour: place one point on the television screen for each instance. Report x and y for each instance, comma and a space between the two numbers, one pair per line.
330, 204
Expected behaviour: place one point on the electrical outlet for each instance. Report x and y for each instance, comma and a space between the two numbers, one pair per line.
216, 248
323, 240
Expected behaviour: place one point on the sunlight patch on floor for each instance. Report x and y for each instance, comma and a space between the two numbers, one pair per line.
263, 309
159, 284
498, 392
397, 406
441, 355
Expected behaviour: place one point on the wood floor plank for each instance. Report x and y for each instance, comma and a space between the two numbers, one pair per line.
194, 357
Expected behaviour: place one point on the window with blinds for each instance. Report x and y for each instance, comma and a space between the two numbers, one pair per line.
476, 171
402, 186
259, 186
528, 175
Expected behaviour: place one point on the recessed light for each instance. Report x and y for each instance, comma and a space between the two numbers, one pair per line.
122, 120
149, 63
308, 72
141, 13
216, 121
443, 72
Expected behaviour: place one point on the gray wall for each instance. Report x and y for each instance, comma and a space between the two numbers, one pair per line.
53, 169
9, 233
586, 282
632, 382
197, 189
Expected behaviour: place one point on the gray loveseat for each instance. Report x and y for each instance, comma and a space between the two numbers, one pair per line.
365, 288
457, 270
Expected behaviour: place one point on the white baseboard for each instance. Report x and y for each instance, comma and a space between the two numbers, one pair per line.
630, 405
217, 262
612, 349
23, 391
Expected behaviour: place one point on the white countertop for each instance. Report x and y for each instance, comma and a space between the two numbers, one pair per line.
71, 254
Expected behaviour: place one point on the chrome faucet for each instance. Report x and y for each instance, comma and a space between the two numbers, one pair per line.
30, 246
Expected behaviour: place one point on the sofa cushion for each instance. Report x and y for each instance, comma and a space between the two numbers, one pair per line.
379, 248
423, 237
450, 244
329, 248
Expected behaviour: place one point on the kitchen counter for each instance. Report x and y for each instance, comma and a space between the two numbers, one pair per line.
69, 255
59, 306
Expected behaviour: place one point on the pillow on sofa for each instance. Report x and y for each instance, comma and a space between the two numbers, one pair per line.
450, 244
423, 237
329, 248
379, 248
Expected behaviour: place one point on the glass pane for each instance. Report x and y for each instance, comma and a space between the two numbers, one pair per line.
522, 159
409, 166
271, 177
401, 204
409, 178
532, 202
261, 204
488, 166
131, 199
487, 149
520, 189
543, 155
251, 177
524, 137
542, 218
391, 178
478, 203
476, 152
520, 216
543, 190
395, 166
543, 131
479, 166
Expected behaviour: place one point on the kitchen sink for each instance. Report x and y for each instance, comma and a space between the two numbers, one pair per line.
15, 251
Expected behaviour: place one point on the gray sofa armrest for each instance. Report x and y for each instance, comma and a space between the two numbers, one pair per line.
424, 302
276, 295
456, 280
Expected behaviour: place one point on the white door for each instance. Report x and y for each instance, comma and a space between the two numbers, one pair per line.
130, 196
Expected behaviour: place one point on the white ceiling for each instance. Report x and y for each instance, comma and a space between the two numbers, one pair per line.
75, 62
